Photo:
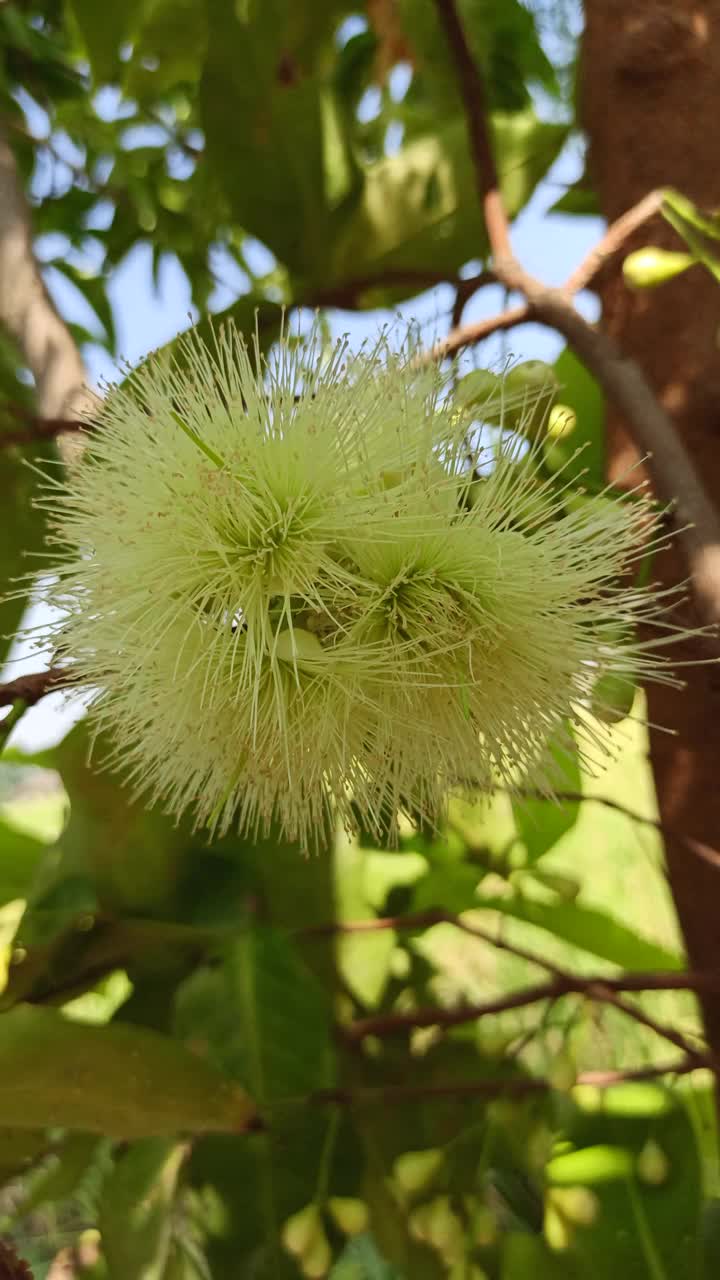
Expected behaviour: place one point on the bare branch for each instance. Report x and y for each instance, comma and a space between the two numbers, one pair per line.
613, 241
674, 477
466, 335
37, 428
697, 847
561, 982
512, 1087
31, 688
597, 987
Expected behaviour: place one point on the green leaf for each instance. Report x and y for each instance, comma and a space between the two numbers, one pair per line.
20, 857
116, 1080
707, 223
169, 48
135, 1218
527, 1257
419, 208
104, 28
639, 1163
363, 960
262, 117
591, 930
137, 868
18, 1149
23, 534
580, 200
541, 823
710, 1234
581, 393
283, 1026
59, 1178
360, 1260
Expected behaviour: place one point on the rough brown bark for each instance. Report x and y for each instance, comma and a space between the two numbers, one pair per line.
650, 98
27, 311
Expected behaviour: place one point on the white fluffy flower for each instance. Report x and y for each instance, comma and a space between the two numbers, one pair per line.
294, 597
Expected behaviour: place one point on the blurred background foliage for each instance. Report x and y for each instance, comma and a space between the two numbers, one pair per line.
157, 989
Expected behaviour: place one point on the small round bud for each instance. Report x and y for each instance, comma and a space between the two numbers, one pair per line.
351, 1215
647, 268
301, 1230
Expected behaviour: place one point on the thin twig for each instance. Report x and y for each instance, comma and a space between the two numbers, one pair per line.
597, 987
513, 1086
426, 920
561, 981
674, 477
469, 334
694, 846
613, 241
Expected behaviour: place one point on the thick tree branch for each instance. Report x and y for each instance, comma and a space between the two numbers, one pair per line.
673, 474
31, 688
28, 313
36, 428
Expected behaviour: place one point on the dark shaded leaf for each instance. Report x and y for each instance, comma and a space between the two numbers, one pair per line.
115, 1080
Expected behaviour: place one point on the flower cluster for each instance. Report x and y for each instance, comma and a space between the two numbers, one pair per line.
301, 591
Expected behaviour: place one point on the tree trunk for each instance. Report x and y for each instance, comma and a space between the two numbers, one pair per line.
650, 80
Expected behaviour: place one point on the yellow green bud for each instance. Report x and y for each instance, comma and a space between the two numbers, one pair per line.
413, 1171
350, 1214
300, 1232
647, 268
652, 1165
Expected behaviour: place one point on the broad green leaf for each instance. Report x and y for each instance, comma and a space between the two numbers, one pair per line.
20, 857
19, 1148
261, 112
283, 1028
23, 532
104, 28
503, 40
59, 1177
695, 228
363, 959
591, 930
541, 823
710, 1235
135, 1217
707, 223
360, 1260
132, 853
267, 1020
527, 1257
627, 1201
419, 208
581, 393
169, 49
116, 1080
